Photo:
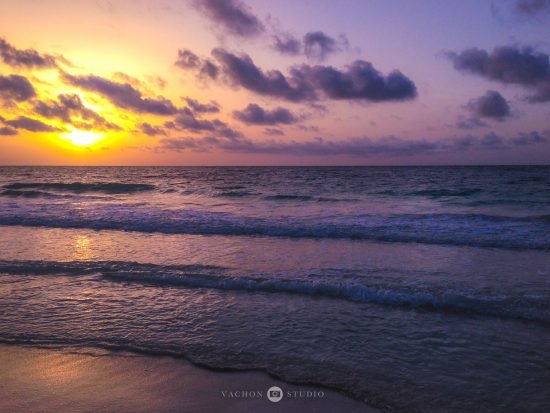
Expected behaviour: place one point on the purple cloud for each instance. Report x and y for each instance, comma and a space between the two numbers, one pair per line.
233, 15
16, 87
254, 114
197, 107
69, 106
318, 45
33, 125
491, 105
150, 130
508, 64
29, 58
356, 147
122, 95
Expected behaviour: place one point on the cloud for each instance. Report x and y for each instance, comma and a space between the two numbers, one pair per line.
188, 60
150, 130
355, 147
197, 107
532, 6
16, 87
28, 58
254, 114
70, 106
122, 95
530, 138
186, 120
508, 64
287, 44
491, 105
360, 81
242, 71
318, 45
233, 15
33, 125
7, 131
470, 123
274, 132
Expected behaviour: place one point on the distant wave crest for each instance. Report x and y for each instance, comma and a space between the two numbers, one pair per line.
476, 230
80, 187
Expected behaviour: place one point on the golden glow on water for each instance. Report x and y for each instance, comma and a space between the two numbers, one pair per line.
82, 138
82, 248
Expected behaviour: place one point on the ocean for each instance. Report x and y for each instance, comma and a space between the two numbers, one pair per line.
411, 288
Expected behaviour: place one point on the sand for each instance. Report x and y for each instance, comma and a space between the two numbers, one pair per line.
90, 380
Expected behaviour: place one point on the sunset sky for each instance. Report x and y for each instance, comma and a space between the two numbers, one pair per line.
258, 82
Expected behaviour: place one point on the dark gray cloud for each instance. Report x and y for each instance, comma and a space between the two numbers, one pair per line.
360, 81
16, 87
7, 131
356, 147
28, 58
242, 71
197, 107
151, 130
318, 45
33, 125
254, 114
70, 106
287, 44
532, 6
233, 15
122, 95
491, 105
508, 64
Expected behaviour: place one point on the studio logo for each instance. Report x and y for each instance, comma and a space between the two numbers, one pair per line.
274, 394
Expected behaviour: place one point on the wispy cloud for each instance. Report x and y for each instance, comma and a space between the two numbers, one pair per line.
123, 95
354, 147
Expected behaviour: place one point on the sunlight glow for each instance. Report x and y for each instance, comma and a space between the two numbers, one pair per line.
82, 138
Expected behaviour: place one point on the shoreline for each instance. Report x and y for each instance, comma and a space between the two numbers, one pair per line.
78, 380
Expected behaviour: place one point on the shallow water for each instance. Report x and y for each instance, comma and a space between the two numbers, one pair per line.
404, 287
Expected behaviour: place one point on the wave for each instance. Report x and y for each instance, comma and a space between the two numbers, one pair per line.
80, 187
235, 194
305, 198
440, 193
215, 277
13, 193
475, 230
283, 197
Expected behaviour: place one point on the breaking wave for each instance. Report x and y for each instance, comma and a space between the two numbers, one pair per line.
213, 277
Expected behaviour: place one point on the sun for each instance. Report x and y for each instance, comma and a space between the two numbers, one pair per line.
82, 138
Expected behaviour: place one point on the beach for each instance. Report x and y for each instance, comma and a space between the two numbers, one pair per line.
34, 380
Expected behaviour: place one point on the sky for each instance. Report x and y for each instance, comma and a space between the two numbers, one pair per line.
258, 82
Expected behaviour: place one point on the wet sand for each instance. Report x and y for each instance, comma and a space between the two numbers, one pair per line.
34, 380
